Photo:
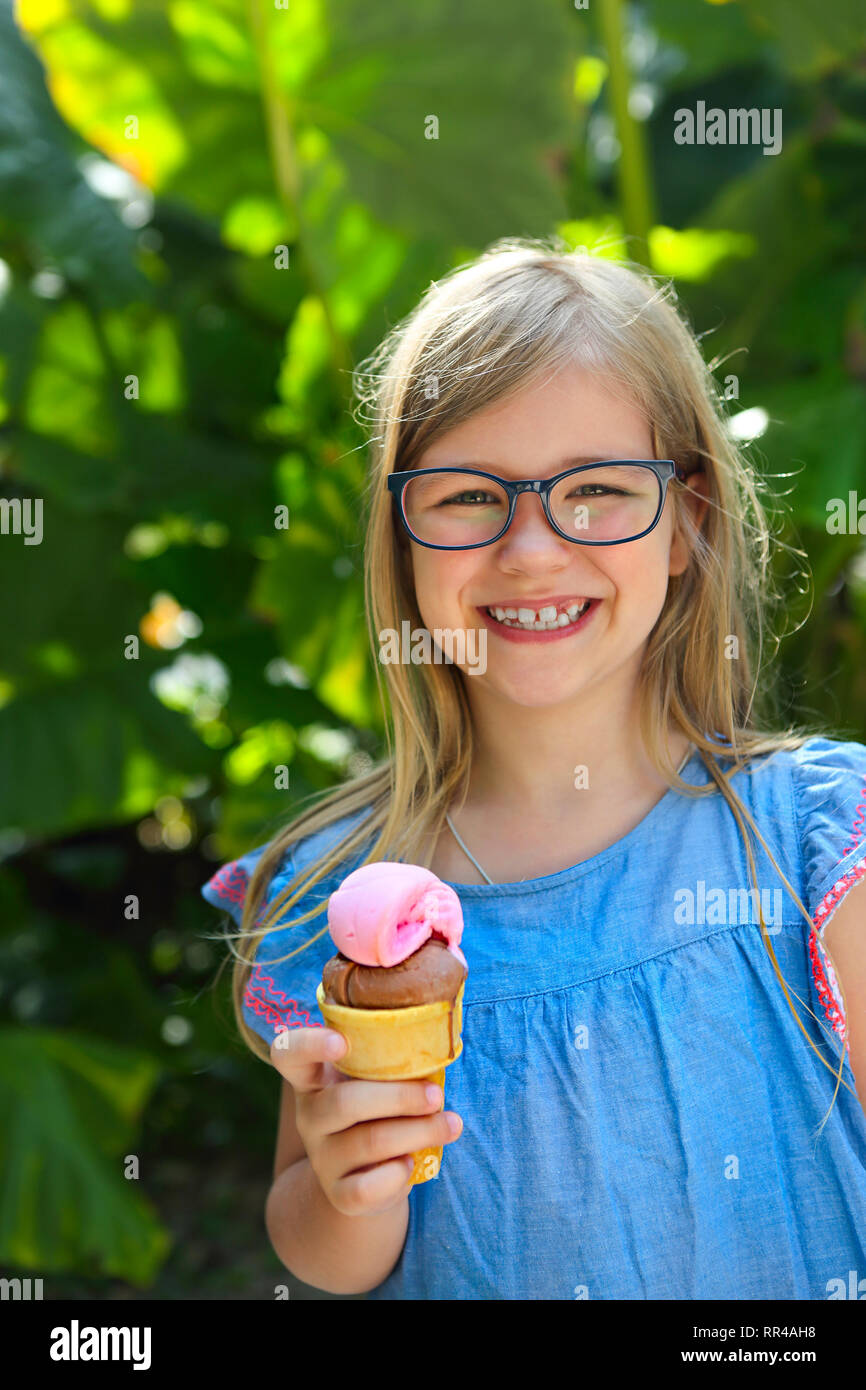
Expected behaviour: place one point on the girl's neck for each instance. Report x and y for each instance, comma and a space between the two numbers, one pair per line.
537, 759
507, 841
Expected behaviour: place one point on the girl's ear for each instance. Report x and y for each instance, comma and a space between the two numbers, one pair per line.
695, 496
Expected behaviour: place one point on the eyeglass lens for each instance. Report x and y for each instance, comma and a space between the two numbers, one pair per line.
597, 504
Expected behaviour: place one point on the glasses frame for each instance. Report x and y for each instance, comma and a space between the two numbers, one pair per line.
664, 470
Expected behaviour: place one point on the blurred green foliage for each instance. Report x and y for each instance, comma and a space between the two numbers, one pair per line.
208, 213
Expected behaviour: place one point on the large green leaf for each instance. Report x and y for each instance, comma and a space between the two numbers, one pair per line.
71, 589
779, 201
46, 200
21, 319
499, 89
70, 1109
694, 181
818, 433
327, 638
365, 77
702, 40
92, 751
812, 38
160, 468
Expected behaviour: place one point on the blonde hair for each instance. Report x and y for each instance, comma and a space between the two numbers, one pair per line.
512, 317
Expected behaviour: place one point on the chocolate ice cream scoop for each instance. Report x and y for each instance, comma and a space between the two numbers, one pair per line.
428, 974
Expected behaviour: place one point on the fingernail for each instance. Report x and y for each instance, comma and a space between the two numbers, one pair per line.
455, 1124
433, 1094
335, 1046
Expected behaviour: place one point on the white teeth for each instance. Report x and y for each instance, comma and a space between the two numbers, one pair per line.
542, 620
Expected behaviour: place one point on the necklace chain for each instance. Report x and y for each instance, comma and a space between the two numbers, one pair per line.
471, 856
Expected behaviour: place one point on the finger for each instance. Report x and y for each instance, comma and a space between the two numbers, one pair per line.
344, 1106
374, 1188
381, 1140
304, 1056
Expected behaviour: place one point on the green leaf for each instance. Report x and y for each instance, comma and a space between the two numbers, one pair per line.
66, 399
70, 1109
73, 587
216, 45
694, 253
22, 317
92, 751
706, 39
819, 434
327, 639
45, 198
812, 38
381, 82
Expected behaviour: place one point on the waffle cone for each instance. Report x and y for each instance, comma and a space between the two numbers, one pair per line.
414, 1043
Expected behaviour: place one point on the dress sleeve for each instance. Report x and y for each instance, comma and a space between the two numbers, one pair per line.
279, 994
829, 790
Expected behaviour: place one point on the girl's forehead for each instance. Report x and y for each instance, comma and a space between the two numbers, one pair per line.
559, 430
574, 396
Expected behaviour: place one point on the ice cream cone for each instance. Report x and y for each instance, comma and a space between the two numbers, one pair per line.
414, 1043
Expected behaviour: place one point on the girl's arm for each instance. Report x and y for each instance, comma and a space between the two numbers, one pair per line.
318, 1244
340, 1254
845, 940
338, 1209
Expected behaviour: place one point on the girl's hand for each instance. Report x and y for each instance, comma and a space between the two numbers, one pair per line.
357, 1134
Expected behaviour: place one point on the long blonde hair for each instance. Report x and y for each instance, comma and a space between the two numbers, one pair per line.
513, 316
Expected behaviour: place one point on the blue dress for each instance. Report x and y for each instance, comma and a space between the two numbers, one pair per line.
640, 1109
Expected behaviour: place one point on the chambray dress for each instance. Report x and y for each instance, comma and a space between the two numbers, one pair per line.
640, 1109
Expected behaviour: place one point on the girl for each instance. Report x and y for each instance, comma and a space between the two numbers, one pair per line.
646, 866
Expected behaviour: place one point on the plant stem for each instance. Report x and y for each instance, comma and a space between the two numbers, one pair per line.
633, 175
287, 179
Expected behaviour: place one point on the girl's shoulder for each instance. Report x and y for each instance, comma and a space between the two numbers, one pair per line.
824, 782
825, 776
819, 753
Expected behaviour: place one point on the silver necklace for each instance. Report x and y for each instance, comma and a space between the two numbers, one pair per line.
471, 856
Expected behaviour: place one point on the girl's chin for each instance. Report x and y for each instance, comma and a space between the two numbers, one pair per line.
531, 691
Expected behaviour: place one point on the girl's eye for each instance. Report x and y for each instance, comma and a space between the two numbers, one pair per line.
597, 490
475, 494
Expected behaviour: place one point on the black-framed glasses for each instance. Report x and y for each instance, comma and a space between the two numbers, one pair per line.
605, 503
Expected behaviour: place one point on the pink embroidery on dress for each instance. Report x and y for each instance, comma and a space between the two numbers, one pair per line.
832, 899
271, 1003
261, 995
825, 989
824, 977
230, 882
859, 826
826, 983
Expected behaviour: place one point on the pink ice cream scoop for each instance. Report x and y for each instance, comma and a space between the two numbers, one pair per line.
383, 912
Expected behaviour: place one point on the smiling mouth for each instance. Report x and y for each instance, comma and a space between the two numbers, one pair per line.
547, 619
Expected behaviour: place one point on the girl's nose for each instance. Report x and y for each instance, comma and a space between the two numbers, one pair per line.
531, 531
